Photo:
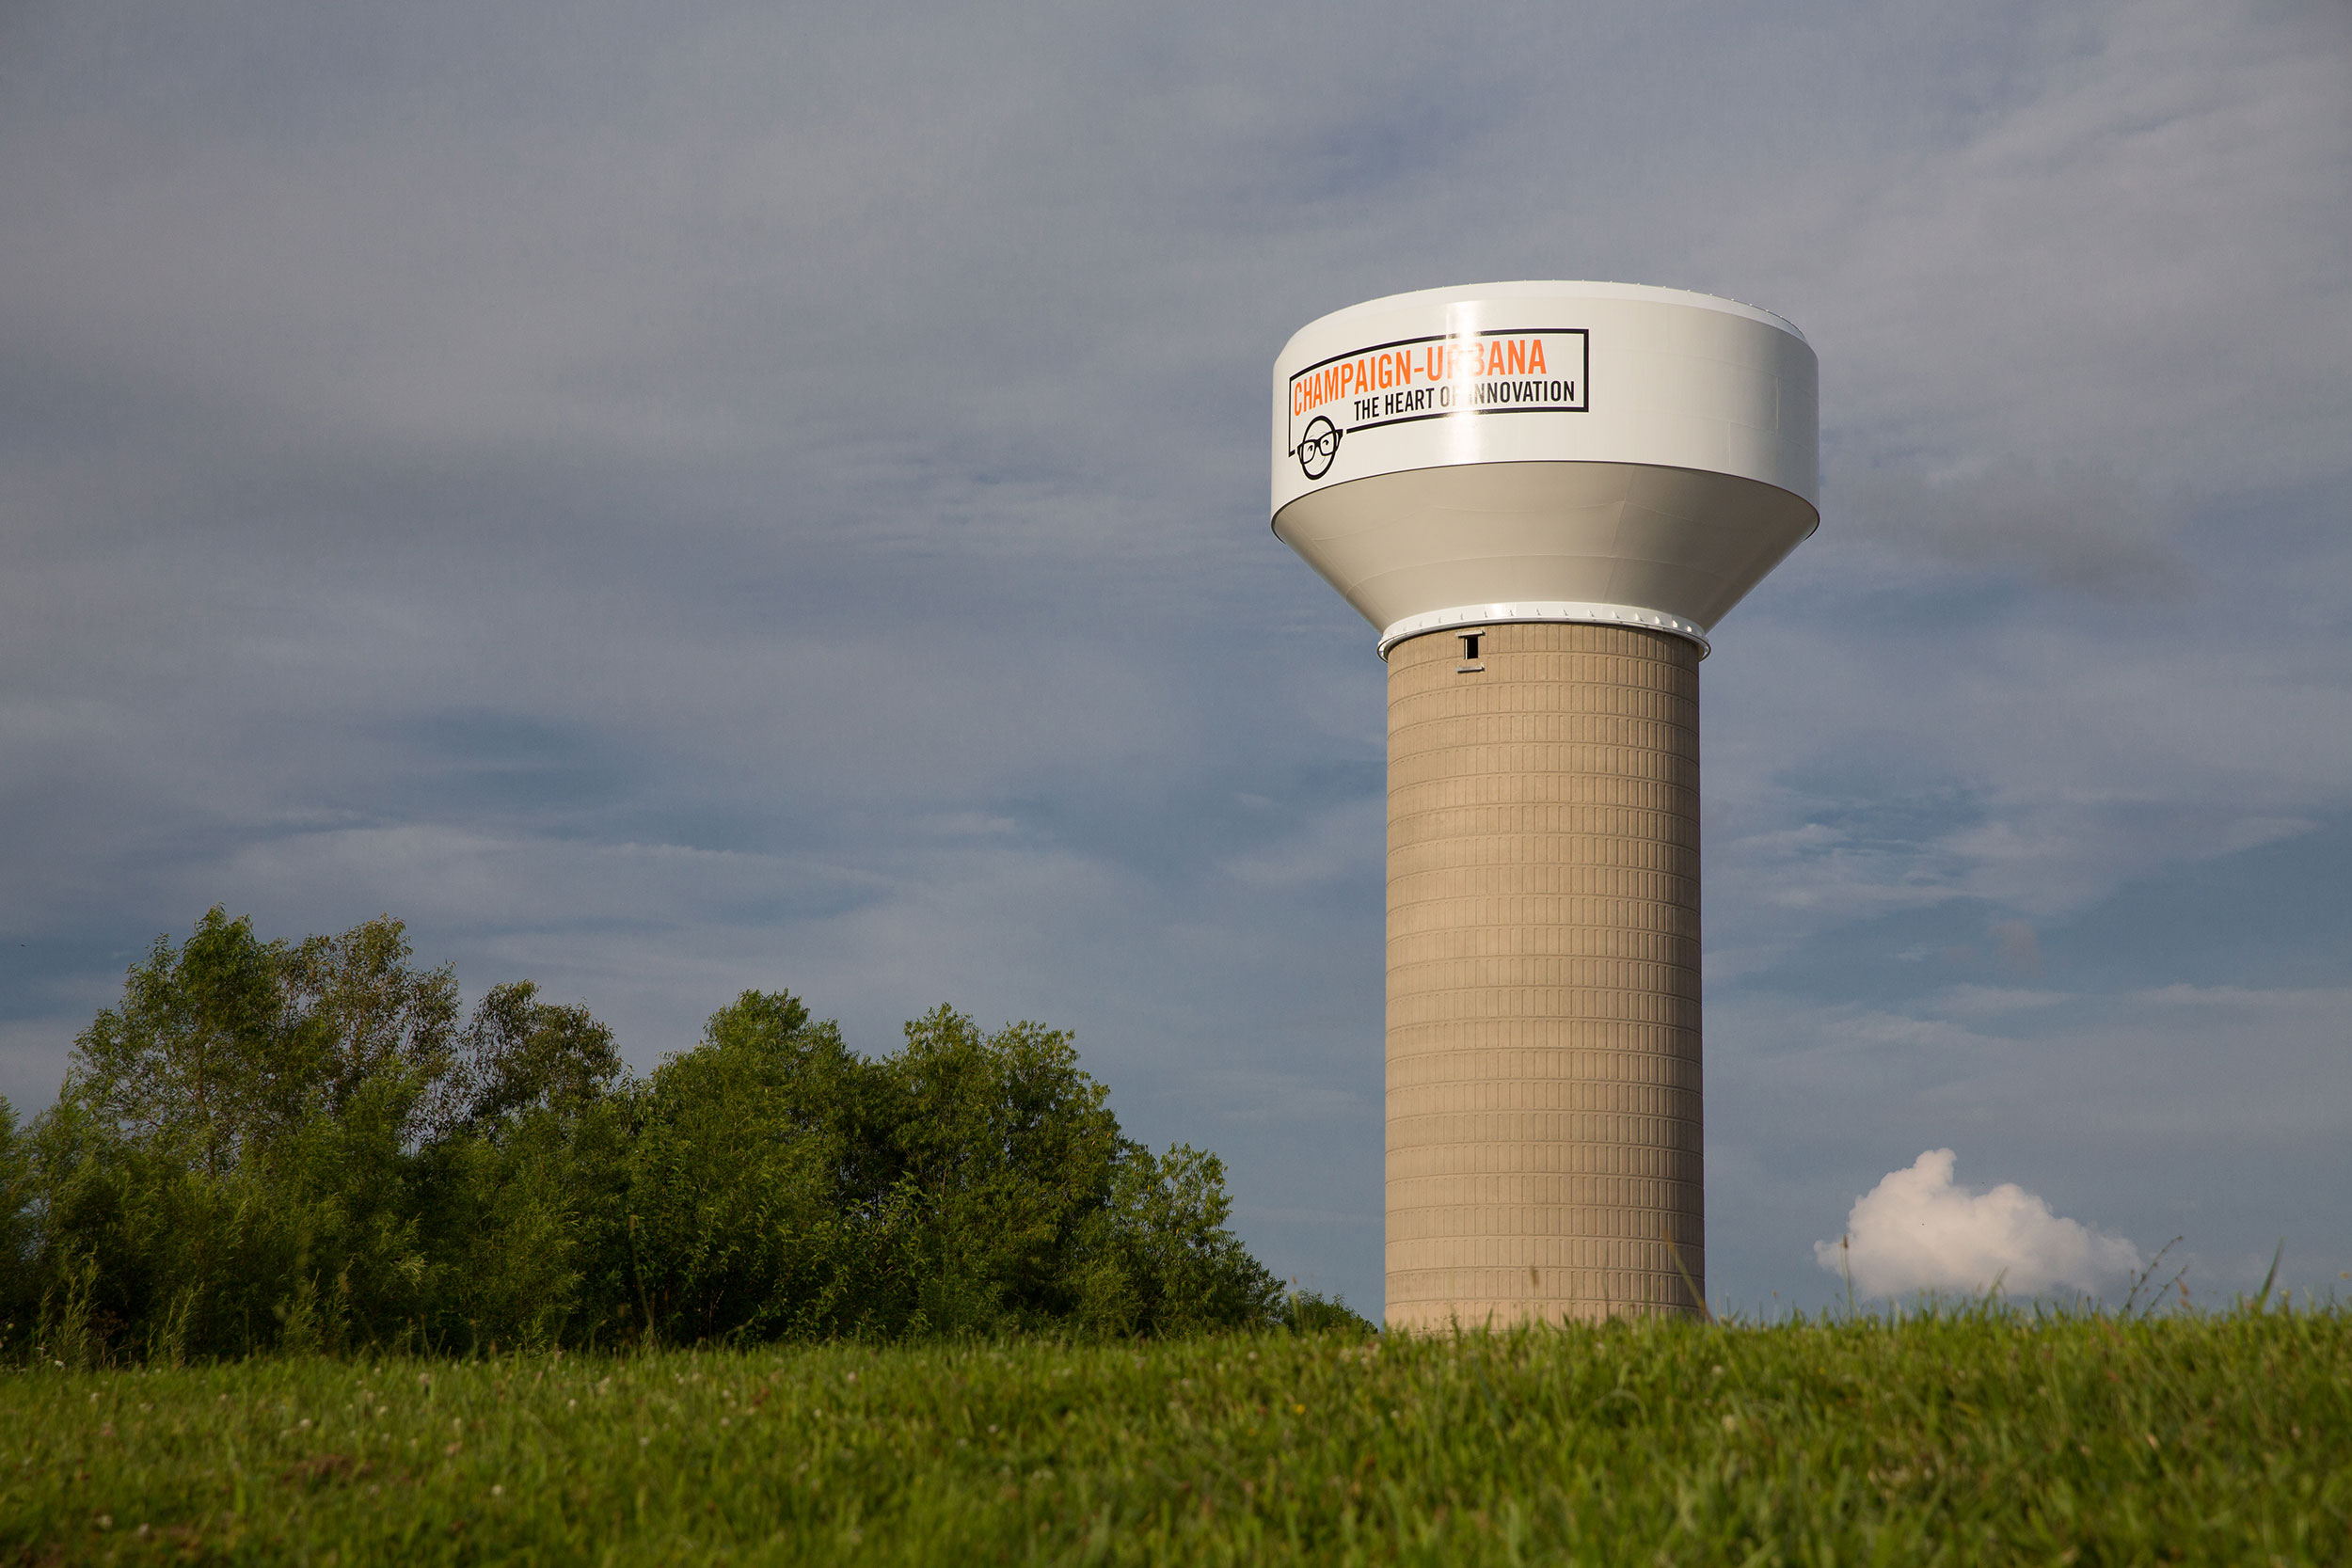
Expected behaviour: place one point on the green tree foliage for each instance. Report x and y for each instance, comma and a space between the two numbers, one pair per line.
1005, 1149
747, 1206
312, 1146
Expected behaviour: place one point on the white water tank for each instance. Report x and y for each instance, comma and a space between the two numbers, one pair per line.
1543, 497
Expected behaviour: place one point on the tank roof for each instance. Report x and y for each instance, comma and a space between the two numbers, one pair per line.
1560, 289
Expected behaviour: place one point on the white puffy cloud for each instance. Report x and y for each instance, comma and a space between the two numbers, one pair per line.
1917, 1231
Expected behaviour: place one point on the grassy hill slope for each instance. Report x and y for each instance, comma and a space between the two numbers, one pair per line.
1964, 1438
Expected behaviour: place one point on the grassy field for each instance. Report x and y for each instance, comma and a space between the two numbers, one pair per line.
1964, 1438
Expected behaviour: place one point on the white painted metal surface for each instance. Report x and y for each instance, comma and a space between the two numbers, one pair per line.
1645, 453
1538, 610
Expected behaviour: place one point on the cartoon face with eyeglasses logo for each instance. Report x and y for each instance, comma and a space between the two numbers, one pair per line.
1318, 448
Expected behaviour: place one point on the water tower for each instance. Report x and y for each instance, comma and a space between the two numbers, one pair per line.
1543, 495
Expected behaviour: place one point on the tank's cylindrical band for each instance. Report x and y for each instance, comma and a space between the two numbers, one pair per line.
1524, 610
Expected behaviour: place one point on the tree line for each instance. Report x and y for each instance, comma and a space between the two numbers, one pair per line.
312, 1146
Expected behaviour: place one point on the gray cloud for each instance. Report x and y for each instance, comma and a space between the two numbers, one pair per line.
2079, 531
2015, 942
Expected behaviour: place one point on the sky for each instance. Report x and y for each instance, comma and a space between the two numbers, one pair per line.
672, 499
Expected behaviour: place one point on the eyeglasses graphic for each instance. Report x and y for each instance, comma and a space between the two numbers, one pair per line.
1318, 448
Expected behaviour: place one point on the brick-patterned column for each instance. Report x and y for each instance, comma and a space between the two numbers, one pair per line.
1543, 1007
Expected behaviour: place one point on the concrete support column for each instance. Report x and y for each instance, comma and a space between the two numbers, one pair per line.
1543, 976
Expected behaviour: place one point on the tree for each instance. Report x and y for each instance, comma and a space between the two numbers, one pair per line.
1008, 1146
363, 1015
200, 1057
1157, 1258
232, 1154
519, 1054
750, 1179
299, 1146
